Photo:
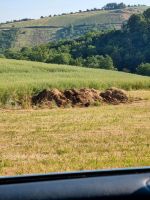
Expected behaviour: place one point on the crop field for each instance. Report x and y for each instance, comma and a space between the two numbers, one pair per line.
47, 140
42, 141
19, 80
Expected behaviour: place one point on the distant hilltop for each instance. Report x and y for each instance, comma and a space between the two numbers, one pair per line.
28, 32
109, 6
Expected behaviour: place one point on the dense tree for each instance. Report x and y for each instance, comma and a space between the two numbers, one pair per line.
2, 55
13, 55
6, 38
147, 14
103, 62
144, 69
125, 49
62, 58
113, 6
78, 62
40, 54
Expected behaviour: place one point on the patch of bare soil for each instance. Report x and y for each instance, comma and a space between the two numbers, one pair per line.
82, 97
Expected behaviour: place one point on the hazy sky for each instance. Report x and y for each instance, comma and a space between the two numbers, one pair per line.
17, 9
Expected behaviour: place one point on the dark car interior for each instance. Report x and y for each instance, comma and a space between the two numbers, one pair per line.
110, 184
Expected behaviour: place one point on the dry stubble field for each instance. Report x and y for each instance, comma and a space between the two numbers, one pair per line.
41, 141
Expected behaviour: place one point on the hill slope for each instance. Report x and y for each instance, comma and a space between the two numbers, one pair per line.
20, 79
35, 32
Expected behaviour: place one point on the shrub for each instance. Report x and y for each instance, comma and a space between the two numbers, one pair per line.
2, 56
144, 69
98, 61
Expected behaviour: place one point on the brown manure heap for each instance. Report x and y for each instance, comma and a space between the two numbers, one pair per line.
114, 96
84, 97
49, 96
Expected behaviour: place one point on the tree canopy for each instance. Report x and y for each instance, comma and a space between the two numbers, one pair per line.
113, 6
126, 49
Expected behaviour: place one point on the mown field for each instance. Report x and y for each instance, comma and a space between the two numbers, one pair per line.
41, 141
19, 80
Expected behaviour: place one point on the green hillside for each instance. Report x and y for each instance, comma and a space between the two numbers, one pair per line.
34, 32
20, 79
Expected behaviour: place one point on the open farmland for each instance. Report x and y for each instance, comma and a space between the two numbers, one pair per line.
48, 140
41, 141
19, 80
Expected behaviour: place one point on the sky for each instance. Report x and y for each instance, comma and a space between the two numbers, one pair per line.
18, 9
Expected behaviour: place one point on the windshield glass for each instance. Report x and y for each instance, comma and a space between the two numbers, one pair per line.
74, 85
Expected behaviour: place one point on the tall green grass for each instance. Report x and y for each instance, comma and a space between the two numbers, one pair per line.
19, 80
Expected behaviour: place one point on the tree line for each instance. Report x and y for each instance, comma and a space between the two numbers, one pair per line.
127, 49
114, 6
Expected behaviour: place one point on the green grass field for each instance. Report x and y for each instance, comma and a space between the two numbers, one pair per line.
19, 80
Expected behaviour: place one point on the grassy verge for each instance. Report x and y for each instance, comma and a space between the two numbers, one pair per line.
40, 141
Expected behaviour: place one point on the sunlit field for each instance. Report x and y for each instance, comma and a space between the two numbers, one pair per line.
41, 141
49, 140
19, 80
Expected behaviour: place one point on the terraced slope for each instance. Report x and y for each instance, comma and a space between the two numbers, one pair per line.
35, 32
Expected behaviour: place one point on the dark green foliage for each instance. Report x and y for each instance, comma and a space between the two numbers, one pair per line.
7, 38
14, 55
113, 6
144, 69
125, 49
74, 32
60, 58
2, 55
100, 62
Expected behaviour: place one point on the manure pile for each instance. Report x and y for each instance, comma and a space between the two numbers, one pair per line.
79, 97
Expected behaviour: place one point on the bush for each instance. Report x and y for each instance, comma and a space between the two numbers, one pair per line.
113, 6
144, 69
98, 61
2, 56
62, 58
